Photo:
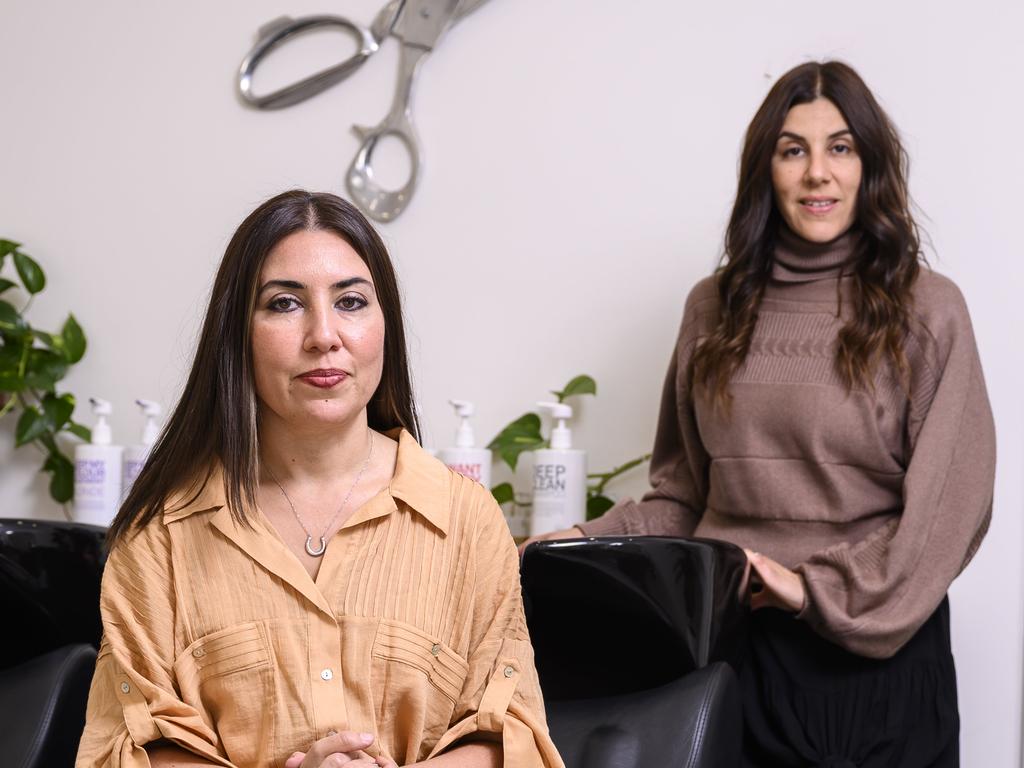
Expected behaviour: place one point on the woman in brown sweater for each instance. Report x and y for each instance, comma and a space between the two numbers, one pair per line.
825, 409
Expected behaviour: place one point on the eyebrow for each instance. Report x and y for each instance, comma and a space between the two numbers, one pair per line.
798, 137
295, 285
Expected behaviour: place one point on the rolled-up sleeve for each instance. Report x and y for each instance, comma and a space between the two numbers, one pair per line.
501, 698
134, 700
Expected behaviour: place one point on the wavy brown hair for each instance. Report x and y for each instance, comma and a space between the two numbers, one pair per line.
215, 419
887, 258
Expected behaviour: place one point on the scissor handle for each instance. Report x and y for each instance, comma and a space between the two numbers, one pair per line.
275, 34
379, 203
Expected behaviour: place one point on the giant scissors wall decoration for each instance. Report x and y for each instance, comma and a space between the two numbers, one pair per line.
419, 25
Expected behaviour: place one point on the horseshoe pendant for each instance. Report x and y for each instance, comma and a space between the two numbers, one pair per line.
315, 552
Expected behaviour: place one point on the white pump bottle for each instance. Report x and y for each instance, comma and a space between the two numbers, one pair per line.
98, 472
559, 478
135, 455
465, 458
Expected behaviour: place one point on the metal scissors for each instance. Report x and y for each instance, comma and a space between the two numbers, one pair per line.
419, 25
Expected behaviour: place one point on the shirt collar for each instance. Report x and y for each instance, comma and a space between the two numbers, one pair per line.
421, 482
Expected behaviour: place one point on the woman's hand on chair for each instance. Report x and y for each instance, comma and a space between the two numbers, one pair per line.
344, 748
773, 585
568, 533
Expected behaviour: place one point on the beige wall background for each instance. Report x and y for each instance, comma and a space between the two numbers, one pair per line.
580, 163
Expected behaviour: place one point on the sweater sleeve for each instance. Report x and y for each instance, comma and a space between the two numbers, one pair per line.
871, 596
679, 462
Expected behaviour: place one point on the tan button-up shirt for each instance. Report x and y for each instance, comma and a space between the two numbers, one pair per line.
216, 638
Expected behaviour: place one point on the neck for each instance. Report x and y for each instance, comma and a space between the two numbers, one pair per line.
299, 453
797, 260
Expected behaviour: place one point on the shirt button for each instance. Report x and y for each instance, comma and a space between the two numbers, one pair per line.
509, 671
326, 674
199, 653
436, 650
125, 688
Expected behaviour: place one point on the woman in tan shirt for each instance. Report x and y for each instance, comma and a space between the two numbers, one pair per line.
293, 581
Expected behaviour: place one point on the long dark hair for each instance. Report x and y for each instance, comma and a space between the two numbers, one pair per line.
886, 261
215, 419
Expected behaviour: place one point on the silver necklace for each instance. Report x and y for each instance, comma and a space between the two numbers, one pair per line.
309, 536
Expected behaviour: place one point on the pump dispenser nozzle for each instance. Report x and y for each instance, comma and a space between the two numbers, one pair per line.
101, 432
464, 438
151, 430
561, 435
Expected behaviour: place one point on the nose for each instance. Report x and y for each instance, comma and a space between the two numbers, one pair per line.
322, 330
818, 171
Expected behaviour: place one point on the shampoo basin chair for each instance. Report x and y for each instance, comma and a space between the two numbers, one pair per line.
635, 641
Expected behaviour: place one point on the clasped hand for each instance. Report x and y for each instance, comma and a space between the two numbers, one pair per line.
345, 748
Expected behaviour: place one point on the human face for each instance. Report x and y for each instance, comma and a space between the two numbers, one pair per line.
317, 332
816, 172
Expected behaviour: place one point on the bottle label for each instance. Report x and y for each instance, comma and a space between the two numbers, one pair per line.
90, 471
472, 471
549, 479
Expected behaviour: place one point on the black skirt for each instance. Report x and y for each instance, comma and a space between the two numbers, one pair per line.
807, 702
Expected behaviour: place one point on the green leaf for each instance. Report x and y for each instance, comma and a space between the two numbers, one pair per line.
6, 284
503, 493
581, 385
31, 424
597, 506
74, 339
6, 247
523, 434
58, 410
30, 272
10, 318
55, 343
79, 430
10, 379
62, 484
45, 369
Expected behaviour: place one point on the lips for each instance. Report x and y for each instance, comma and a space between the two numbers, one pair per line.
323, 378
818, 205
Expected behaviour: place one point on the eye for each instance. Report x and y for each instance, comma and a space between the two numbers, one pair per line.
351, 302
283, 304
842, 149
792, 151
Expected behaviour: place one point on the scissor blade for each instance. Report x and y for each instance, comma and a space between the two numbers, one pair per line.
423, 22
385, 20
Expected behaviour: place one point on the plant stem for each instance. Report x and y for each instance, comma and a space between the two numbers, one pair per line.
606, 477
9, 404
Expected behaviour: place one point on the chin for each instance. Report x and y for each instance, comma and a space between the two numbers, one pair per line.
819, 231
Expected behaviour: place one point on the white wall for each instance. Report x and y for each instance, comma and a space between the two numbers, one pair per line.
584, 150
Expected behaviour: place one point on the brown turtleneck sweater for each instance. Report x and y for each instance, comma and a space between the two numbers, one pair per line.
878, 500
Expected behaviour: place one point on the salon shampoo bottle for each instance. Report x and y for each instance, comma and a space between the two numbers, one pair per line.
98, 472
465, 458
135, 455
559, 478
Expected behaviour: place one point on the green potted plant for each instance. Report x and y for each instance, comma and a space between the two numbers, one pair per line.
524, 434
32, 362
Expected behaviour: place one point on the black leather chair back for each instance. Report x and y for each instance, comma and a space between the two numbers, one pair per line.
644, 611
50, 574
42, 708
632, 637
692, 722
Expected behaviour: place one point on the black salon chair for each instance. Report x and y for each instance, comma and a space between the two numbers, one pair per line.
42, 705
635, 642
49, 605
